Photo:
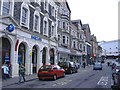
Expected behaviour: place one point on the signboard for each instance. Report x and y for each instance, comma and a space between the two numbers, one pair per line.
7, 58
19, 59
36, 38
10, 27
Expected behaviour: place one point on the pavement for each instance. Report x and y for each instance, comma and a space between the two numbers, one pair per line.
15, 80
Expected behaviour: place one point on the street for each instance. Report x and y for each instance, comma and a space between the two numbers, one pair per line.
85, 78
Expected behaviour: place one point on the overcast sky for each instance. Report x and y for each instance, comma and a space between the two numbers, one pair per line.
101, 15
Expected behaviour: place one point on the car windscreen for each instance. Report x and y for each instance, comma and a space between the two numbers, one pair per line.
64, 64
46, 67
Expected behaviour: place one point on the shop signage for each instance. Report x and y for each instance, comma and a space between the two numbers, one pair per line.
36, 38
7, 59
10, 28
19, 58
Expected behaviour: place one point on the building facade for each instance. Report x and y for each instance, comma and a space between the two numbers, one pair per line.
87, 32
33, 42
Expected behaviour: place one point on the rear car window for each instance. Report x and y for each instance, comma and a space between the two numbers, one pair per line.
46, 67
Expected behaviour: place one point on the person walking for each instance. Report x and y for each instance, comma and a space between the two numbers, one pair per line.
21, 73
5, 71
84, 64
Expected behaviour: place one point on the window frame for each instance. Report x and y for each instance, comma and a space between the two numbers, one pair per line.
26, 24
11, 9
45, 32
36, 13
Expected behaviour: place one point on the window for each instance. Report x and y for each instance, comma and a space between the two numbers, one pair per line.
24, 15
63, 25
74, 44
63, 39
45, 27
67, 40
53, 11
84, 48
25, 12
36, 22
6, 7
46, 5
52, 31
58, 23
58, 38
80, 46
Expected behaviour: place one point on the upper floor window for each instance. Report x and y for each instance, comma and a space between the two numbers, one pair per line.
74, 45
63, 39
36, 22
52, 32
45, 28
53, 11
63, 25
6, 7
46, 5
80, 46
67, 40
25, 15
58, 38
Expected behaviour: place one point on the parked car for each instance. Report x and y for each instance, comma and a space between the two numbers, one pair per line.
97, 66
68, 66
77, 65
50, 72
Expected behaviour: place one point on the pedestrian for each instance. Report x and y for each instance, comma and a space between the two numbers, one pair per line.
84, 64
5, 71
21, 73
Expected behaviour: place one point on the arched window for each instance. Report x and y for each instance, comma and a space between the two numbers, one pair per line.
36, 25
7, 7
25, 14
45, 26
53, 29
46, 5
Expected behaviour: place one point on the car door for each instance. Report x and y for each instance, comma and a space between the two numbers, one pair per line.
56, 71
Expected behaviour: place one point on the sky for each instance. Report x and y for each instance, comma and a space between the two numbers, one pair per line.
101, 15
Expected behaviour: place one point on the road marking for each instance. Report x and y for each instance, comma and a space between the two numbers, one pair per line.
62, 83
103, 80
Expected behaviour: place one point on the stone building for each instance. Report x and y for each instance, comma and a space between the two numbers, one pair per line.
33, 40
87, 32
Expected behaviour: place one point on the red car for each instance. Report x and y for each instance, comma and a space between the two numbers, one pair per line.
50, 72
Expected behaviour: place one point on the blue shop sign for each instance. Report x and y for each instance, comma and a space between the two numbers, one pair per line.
10, 27
19, 58
7, 58
36, 38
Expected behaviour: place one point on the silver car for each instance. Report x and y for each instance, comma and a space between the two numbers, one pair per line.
97, 66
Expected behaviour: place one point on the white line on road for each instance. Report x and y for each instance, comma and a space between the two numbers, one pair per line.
103, 80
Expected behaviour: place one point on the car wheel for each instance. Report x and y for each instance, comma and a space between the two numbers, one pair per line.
63, 74
76, 71
39, 78
71, 71
54, 77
